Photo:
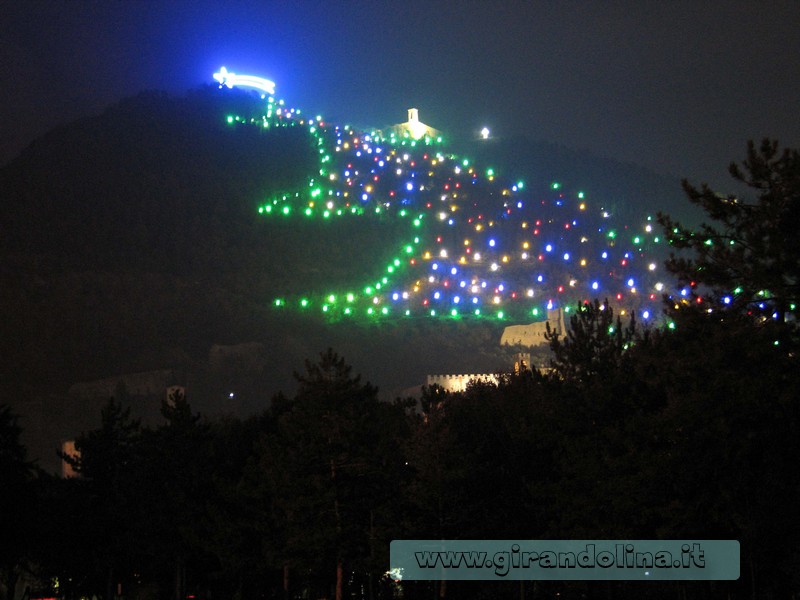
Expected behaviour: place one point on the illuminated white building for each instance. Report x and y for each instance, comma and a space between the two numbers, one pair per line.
459, 382
533, 334
529, 336
413, 128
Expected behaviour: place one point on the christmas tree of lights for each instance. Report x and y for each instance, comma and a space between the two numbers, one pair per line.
479, 245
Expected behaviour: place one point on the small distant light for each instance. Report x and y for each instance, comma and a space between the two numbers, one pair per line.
485, 133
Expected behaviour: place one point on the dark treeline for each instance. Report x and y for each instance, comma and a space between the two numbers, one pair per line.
687, 434
688, 431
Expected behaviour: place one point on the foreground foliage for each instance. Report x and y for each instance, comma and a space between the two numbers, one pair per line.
689, 433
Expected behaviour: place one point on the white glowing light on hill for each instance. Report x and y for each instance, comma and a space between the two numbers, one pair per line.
230, 79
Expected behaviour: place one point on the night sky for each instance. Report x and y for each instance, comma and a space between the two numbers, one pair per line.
677, 87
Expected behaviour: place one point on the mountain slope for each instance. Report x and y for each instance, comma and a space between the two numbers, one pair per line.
133, 241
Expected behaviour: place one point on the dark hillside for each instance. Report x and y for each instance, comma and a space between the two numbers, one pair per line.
627, 190
131, 242
153, 183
